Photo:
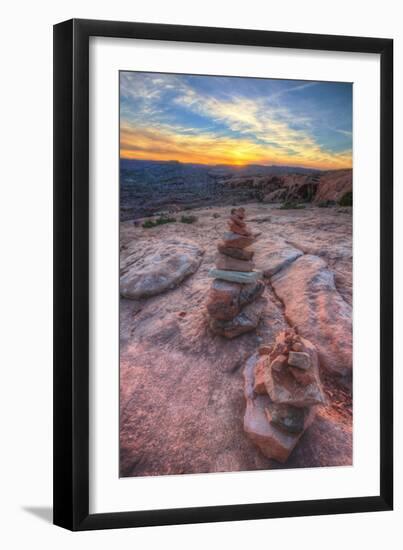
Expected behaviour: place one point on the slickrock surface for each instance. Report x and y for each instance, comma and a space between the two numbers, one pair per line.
182, 388
313, 304
148, 269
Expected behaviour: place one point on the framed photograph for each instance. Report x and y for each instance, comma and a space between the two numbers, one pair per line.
223, 321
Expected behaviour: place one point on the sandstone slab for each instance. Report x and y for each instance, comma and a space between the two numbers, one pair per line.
272, 256
239, 253
158, 266
232, 264
315, 307
233, 240
235, 276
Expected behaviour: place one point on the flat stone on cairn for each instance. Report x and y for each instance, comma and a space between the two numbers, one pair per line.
281, 397
234, 304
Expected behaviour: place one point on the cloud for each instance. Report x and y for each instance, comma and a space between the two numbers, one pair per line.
168, 144
157, 113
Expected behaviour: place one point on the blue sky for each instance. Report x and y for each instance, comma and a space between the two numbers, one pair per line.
232, 120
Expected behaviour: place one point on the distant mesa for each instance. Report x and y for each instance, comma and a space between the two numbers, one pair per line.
150, 186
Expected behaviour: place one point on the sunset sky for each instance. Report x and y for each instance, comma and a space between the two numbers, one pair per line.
230, 120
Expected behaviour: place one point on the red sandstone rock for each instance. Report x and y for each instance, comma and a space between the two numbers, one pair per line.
297, 346
235, 228
250, 292
223, 300
265, 350
313, 305
259, 385
286, 417
239, 253
334, 185
232, 264
302, 377
245, 321
283, 388
272, 441
156, 267
299, 359
232, 240
237, 220
240, 212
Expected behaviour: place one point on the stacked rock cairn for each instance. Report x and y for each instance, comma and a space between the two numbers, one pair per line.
234, 305
282, 391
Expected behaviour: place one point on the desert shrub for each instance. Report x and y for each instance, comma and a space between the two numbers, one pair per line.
326, 204
188, 219
148, 223
346, 199
159, 221
291, 205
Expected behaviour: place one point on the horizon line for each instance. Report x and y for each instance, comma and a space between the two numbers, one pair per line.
238, 165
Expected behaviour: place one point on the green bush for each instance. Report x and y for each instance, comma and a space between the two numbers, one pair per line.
346, 199
290, 205
159, 221
188, 219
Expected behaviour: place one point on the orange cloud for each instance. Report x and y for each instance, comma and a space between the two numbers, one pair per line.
162, 143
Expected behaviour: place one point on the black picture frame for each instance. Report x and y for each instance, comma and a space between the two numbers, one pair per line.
71, 274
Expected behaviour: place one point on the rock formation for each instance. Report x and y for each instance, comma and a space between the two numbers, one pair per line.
282, 392
157, 266
334, 185
317, 310
234, 303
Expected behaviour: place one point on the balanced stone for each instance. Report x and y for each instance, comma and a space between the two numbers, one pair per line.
250, 292
299, 359
272, 441
281, 399
262, 364
223, 300
238, 220
286, 417
283, 388
233, 264
303, 377
235, 228
234, 304
240, 212
245, 321
233, 240
235, 276
239, 253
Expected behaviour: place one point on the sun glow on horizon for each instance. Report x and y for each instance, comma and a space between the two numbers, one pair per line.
235, 121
